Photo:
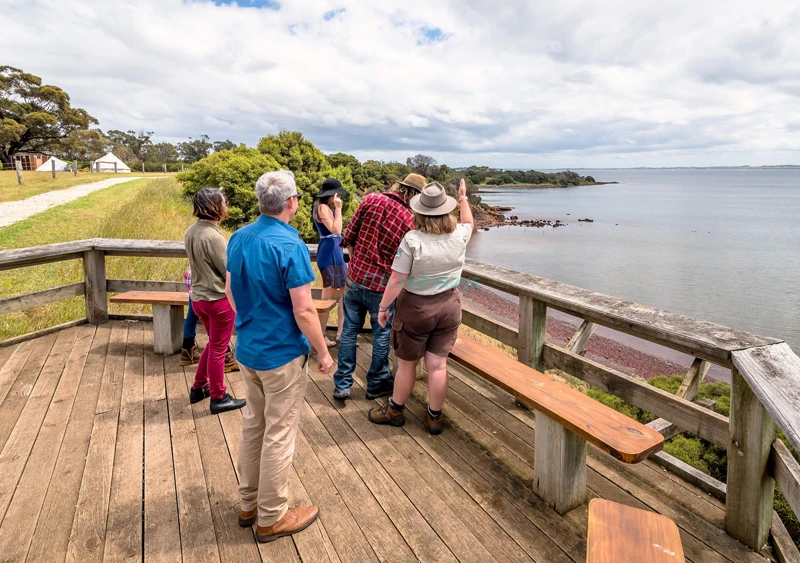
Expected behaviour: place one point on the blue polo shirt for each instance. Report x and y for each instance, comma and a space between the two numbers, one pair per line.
265, 260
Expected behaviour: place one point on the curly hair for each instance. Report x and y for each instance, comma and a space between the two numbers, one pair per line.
210, 204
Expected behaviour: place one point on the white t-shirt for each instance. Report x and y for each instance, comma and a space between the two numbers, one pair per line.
433, 262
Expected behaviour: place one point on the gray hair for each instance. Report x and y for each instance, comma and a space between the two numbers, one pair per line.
273, 190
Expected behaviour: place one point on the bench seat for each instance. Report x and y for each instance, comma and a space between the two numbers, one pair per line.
565, 420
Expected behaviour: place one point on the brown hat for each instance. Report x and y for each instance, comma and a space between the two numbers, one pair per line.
433, 201
414, 181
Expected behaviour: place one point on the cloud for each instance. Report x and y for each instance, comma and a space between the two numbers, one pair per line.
516, 83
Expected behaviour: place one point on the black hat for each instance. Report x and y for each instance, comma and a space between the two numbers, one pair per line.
330, 187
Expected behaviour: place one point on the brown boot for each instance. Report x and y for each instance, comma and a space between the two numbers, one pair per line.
189, 357
230, 362
434, 423
248, 518
385, 414
295, 520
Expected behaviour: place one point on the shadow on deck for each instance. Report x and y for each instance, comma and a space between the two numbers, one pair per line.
103, 458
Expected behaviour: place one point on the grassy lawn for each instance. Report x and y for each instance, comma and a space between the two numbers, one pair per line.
35, 183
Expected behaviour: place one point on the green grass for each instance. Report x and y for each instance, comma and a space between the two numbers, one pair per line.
35, 183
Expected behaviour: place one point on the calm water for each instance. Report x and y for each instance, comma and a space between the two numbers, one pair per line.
720, 245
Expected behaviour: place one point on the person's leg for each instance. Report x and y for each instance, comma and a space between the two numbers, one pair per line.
253, 425
220, 326
201, 377
379, 372
284, 389
437, 380
335, 294
189, 328
404, 381
355, 313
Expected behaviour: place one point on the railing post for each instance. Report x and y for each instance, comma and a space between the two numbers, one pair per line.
94, 275
559, 465
751, 488
532, 321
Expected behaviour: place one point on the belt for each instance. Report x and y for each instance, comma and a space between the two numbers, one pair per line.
331, 236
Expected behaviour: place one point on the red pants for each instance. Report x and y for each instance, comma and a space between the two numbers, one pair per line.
217, 318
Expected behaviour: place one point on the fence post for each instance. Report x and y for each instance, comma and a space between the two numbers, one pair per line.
91, 167
75, 168
165, 168
53, 167
751, 488
532, 320
97, 164
18, 167
143, 167
115, 167
94, 275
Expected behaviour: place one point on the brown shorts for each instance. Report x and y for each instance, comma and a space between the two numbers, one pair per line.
425, 323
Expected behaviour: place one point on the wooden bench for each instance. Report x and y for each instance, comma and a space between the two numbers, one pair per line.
565, 420
168, 315
622, 534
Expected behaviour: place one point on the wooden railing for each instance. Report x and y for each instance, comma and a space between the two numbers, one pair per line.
765, 373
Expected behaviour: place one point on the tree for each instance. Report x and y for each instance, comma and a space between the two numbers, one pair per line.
35, 117
343, 159
161, 152
83, 144
422, 164
225, 145
136, 142
195, 149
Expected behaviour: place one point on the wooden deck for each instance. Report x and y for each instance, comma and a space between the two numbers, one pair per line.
103, 458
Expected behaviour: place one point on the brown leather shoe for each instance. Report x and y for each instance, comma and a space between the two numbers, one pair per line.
248, 518
295, 520
230, 362
190, 357
385, 414
434, 423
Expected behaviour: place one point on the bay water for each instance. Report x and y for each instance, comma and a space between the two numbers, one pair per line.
721, 245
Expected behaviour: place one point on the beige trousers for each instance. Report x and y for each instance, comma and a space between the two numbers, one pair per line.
269, 429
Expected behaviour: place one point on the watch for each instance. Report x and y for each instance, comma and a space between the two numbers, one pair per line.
382, 309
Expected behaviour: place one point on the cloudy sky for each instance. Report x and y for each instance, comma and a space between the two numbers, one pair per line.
546, 84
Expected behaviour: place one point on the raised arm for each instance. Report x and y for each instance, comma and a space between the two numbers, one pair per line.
332, 219
465, 211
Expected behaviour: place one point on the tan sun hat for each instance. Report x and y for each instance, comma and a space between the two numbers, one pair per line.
415, 181
433, 200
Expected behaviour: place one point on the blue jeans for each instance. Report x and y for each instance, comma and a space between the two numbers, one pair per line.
190, 324
358, 301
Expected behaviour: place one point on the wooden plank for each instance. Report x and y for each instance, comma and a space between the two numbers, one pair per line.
688, 390
123, 540
16, 395
152, 297
532, 322
132, 247
87, 539
23, 512
695, 337
94, 275
506, 334
21, 439
22, 302
161, 533
13, 366
706, 483
313, 544
120, 286
782, 543
198, 541
362, 481
21, 257
773, 373
40, 333
748, 507
621, 534
687, 415
560, 465
786, 471
234, 542
55, 520
602, 426
168, 328
578, 341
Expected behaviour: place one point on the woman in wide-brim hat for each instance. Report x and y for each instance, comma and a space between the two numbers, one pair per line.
426, 275
327, 217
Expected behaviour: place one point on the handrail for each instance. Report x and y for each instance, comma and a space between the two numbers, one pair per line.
765, 371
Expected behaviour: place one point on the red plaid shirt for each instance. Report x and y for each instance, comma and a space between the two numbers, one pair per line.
374, 233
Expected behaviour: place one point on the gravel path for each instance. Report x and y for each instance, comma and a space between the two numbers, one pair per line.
14, 211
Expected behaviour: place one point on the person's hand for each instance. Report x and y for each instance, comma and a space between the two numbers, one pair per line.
324, 361
383, 318
462, 188
337, 201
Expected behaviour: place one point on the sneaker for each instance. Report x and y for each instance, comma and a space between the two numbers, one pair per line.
295, 520
341, 395
384, 389
197, 395
434, 423
230, 362
190, 357
226, 403
385, 414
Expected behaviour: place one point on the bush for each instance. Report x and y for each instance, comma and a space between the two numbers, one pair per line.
589, 179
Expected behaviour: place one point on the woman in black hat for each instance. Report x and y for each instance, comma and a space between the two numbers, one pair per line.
327, 217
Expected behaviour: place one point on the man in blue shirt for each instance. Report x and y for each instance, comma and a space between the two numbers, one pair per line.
269, 285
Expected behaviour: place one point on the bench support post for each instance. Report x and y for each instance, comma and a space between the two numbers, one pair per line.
167, 328
532, 321
94, 275
751, 488
560, 465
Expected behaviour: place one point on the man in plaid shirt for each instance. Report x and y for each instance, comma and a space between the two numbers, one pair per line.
372, 239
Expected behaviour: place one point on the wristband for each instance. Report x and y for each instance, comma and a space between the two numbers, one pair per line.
462, 198
382, 309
